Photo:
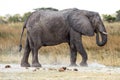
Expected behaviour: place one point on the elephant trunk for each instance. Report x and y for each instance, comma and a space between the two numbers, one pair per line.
103, 40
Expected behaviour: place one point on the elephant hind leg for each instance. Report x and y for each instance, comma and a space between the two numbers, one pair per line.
24, 61
36, 45
35, 61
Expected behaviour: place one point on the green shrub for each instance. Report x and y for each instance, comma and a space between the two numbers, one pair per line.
109, 18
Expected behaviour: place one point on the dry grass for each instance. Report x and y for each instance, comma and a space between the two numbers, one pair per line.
108, 55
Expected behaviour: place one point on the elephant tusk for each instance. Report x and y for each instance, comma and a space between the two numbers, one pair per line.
104, 33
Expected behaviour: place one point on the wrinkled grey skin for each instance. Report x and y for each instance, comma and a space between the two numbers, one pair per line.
47, 28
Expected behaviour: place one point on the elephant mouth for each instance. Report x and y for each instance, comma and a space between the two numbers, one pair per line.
101, 38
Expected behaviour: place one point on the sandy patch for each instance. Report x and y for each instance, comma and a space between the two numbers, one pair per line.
93, 67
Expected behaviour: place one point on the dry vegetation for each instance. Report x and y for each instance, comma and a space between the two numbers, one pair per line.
108, 55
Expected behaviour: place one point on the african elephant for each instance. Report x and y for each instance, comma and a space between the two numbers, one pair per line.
48, 27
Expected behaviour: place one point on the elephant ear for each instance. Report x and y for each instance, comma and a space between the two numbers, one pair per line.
81, 24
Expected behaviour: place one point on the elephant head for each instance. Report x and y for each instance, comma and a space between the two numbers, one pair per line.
88, 23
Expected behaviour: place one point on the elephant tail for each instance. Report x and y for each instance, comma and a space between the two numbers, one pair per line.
20, 45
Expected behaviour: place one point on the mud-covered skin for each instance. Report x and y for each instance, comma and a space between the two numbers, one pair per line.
48, 27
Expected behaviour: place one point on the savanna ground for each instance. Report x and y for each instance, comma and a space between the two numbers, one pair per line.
109, 55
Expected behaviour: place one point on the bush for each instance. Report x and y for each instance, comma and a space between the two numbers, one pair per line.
109, 18
118, 15
25, 16
15, 18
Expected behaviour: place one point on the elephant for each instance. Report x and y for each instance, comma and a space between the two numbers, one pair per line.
48, 28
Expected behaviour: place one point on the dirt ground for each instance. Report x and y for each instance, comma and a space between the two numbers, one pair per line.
94, 71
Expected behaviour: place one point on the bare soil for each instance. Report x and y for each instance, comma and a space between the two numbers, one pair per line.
94, 71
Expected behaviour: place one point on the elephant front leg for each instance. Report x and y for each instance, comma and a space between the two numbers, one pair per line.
24, 61
35, 62
73, 55
83, 53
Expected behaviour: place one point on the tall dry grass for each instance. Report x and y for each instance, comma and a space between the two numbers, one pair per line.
108, 55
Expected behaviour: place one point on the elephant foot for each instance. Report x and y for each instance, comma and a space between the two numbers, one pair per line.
83, 64
25, 65
73, 65
36, 65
